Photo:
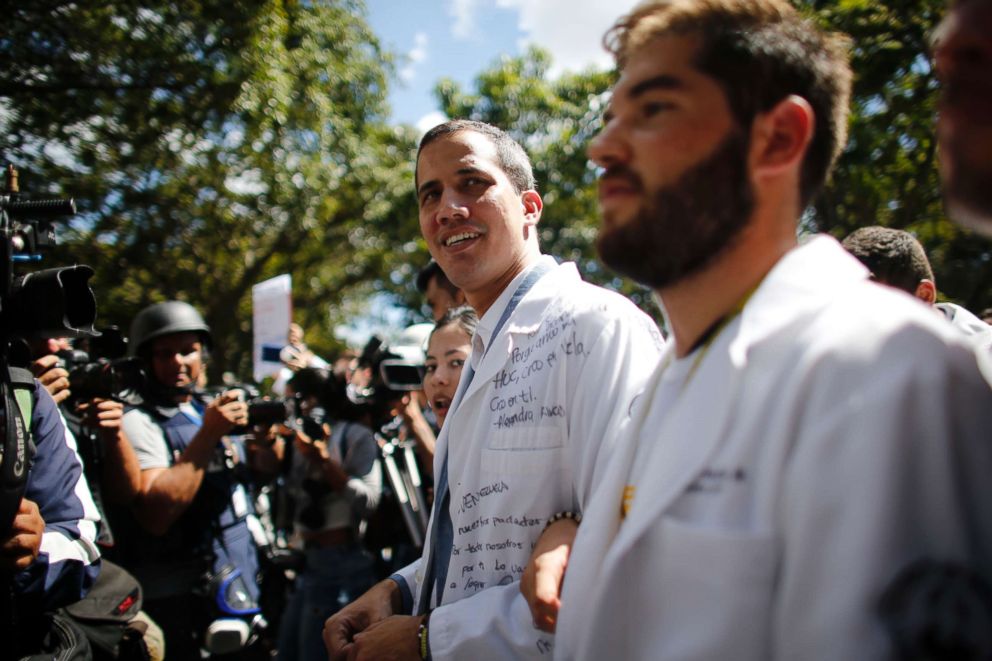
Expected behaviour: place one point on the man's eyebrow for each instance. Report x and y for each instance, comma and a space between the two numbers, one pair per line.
424, 187
663, 82
434, 183
469, 170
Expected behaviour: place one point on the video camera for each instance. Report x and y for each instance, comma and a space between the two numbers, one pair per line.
55, 302
49, 303
397, 367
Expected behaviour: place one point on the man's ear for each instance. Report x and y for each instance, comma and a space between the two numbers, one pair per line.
533, 205
926, 291
780, 137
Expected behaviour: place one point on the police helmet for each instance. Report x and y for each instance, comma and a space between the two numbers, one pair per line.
166, 318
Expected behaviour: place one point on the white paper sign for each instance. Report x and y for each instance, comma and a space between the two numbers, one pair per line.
272, 312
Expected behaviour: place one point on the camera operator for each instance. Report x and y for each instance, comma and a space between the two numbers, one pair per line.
109, 461
190, 544
336, 481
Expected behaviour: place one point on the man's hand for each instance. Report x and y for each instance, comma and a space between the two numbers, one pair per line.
103, 414
392, 639
22, 545
54, 379
224, 413
312, 449
545, 572
380, 602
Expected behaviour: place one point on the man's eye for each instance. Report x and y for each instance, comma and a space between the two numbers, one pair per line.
654, 108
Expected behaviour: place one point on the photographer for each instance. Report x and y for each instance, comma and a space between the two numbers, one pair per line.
189, 543
335, 480
110, 464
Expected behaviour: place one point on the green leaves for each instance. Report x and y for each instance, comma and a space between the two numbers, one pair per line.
211, 145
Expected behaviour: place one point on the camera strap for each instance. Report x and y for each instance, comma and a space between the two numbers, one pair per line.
17, 398
17, 394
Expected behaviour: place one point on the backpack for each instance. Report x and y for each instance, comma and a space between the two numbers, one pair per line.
106, 615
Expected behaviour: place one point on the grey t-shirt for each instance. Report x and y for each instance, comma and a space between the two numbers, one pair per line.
148, 439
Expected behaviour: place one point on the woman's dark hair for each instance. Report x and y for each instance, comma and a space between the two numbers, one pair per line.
463, 316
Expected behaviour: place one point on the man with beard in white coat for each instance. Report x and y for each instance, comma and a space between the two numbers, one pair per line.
554, 363
813, 448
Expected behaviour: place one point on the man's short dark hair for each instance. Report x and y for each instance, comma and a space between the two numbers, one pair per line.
759, 52
433, 270
894, 257
510, 156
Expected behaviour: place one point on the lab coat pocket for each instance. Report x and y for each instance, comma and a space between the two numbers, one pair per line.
717, 592
524, 452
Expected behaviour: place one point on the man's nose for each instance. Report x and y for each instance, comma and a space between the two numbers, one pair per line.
609, 147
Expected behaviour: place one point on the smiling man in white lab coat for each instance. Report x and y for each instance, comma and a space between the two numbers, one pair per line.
809, 437
555, 361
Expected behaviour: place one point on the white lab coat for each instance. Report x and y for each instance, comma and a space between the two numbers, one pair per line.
966, 322
832, 433
524, 443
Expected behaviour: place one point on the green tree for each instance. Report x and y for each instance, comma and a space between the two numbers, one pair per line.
211, 145
887, 174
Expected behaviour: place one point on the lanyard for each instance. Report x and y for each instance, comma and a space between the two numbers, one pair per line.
708, 337
442, 532
525, 286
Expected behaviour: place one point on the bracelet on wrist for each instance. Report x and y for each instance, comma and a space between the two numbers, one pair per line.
422, 638
571, 516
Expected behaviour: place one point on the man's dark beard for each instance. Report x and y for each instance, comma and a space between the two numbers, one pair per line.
683, 227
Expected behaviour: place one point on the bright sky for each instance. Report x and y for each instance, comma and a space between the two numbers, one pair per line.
460, 38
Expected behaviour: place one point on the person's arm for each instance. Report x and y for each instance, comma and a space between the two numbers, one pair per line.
420, 429
67, 561
166, 493
265, 449
317, 452
545, 573
121, 473
622, 358
364, 485
380, 602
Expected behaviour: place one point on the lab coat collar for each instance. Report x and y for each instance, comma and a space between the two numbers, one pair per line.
527, 318
797, 283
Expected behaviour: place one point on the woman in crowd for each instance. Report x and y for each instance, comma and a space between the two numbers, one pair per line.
447, 350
